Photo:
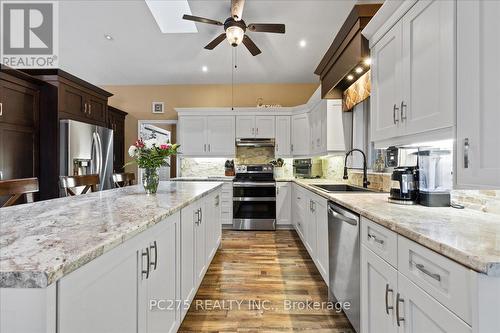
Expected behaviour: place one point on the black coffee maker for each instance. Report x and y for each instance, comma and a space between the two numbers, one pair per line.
404, 186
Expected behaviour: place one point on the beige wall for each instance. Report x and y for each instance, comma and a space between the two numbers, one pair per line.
136, 100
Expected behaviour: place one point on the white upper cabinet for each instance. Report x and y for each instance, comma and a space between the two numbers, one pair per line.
282, 147
255, 127
428, 67
413, 74
301, 135
220, 135
264, 127
386, 85
207, 135
245, 127
192, 135
334, 127
478, 87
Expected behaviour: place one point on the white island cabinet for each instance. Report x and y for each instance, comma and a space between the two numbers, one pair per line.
144, 284
113, 292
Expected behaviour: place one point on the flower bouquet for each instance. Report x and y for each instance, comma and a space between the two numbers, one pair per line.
150, 156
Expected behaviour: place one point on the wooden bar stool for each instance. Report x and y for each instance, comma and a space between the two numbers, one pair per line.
68, 183
123, 179
15, 188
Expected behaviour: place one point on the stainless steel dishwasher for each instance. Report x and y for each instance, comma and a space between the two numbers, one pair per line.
343, 251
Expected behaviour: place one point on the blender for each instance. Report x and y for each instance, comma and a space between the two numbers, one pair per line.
435, 177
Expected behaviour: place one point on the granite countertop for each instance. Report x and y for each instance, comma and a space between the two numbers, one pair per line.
469, 237
206, 179
44, 241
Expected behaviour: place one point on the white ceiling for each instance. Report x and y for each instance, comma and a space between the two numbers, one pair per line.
140, 54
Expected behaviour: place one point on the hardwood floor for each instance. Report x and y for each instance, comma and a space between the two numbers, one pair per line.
261, 273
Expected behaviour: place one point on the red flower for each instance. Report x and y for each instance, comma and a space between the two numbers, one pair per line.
139, 143
164, 146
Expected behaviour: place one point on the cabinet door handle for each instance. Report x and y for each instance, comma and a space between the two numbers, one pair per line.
466, 153
257, 130
204, 147
253, 131
277, 190
291, 147
399, 319
155, 248
201, 215
90, 109
395, 111
277, 148
145, 253
403, 113
217, 201
424, 270
85, 108
196, 216
387, 291
1, 109
375, 239
209, 147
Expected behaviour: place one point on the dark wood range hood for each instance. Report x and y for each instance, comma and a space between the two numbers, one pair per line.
348, 51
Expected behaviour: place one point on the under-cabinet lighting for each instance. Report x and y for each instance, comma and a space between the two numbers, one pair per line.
358, 70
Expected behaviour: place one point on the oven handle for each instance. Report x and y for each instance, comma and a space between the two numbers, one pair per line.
256, 184
254, 198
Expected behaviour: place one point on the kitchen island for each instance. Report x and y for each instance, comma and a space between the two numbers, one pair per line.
94, 262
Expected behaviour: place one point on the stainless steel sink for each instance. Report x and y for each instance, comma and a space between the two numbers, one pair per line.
341, 188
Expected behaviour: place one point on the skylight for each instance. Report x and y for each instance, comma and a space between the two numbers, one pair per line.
168, 15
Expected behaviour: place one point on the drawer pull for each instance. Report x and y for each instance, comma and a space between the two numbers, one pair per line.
424, 270
399, 319
375, 239
387, 291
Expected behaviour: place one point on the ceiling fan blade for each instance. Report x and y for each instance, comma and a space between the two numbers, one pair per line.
201, 19
215, 42
254, 50
237, 9
267, 27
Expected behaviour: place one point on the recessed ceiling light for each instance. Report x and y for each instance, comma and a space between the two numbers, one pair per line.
204, 69
350, 77
108, 37
358, 70
302, 43
368, 61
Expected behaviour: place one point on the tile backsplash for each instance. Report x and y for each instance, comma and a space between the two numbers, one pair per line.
253, 155
482, 200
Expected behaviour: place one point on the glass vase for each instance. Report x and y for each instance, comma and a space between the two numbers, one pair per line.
150, 180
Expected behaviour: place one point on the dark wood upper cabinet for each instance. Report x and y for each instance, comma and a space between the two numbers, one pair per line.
65, 96
116, 122
19, 125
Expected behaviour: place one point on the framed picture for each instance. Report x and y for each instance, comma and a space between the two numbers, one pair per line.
158, 107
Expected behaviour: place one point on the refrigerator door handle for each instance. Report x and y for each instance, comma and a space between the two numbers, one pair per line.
96, 144
99, 154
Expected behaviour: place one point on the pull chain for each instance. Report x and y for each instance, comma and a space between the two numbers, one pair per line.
234, 66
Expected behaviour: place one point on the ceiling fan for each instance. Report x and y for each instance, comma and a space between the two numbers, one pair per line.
235, 28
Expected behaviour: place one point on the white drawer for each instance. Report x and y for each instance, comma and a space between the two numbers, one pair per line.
445, 280
382, 241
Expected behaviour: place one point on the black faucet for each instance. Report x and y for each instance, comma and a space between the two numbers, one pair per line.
365, 176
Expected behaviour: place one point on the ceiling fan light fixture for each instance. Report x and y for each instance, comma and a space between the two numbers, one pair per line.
235, 35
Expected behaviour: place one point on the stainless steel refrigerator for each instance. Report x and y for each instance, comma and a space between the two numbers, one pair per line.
86, 149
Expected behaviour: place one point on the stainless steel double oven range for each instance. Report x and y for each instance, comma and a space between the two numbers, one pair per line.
254, 198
